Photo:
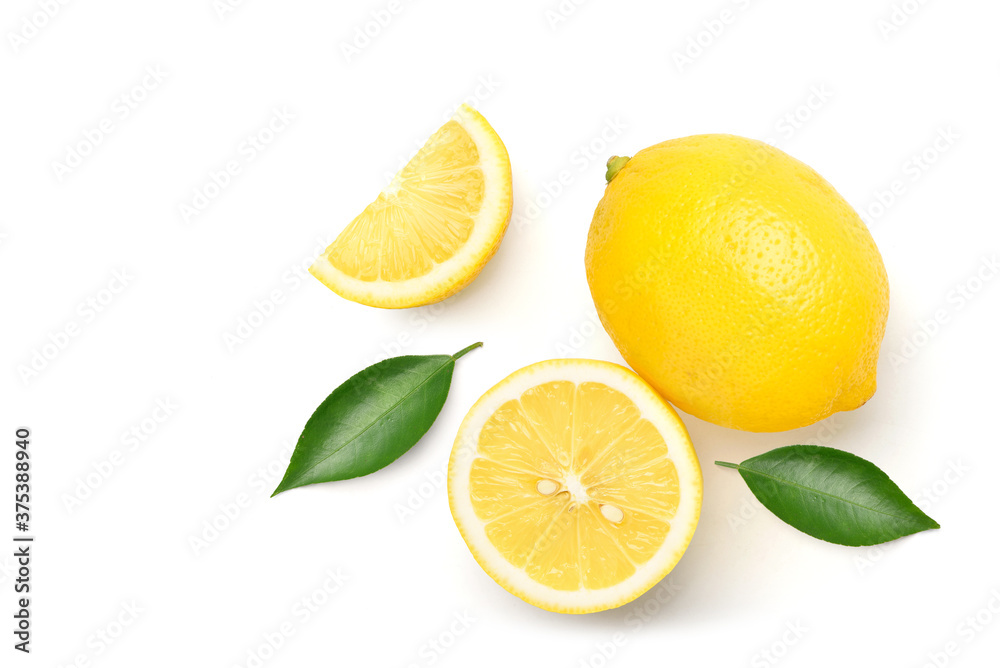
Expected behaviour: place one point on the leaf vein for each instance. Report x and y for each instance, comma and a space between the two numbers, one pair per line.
377, 419
828, 494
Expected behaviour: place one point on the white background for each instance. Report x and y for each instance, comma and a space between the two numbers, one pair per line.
553, 84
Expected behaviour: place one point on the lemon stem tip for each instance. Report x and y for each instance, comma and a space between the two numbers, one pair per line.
615, 164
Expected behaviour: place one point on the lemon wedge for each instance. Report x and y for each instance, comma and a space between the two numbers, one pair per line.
574, 485
433, 229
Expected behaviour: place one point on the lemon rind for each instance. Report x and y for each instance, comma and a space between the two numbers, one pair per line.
654, 409
455, 273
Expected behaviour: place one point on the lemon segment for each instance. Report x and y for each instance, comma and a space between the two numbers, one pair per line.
431, 231
574, 485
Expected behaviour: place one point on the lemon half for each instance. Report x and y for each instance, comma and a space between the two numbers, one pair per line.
574, 485
432, 230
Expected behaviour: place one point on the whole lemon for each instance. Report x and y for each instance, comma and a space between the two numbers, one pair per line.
735, 280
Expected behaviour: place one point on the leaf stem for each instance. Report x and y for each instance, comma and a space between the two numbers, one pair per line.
467, 349
728, 465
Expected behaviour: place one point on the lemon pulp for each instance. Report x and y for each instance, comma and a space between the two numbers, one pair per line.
425, 215
433, 228
574, 485
596, 466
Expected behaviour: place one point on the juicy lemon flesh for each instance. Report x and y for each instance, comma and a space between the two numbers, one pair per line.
573, 485
422, 219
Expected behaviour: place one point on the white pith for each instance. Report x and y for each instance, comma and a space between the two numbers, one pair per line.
652, 408
490, 224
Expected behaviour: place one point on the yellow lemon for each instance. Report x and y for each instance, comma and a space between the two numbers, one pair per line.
738, 283
430, 233
574, 485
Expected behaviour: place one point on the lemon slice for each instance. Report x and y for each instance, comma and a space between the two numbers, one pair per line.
430, 233
574, 485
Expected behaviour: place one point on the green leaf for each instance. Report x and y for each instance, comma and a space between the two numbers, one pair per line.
372, 419
832, 495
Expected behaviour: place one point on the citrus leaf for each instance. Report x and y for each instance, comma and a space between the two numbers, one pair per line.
371, 419
832, 495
